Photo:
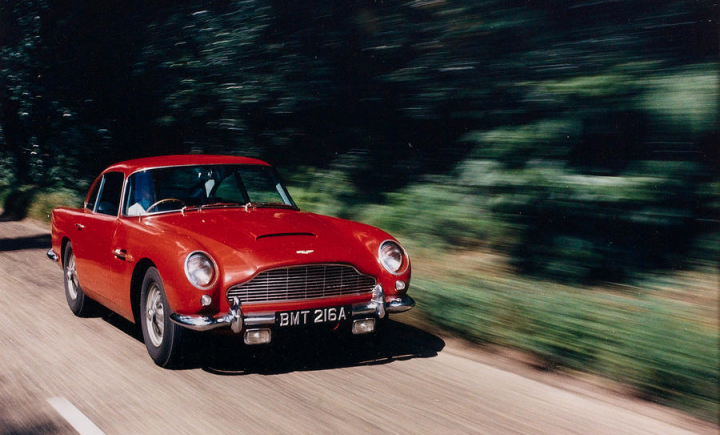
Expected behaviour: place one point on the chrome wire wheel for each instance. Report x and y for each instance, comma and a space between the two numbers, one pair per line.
155, 315
164, 340
71, 277
80, 305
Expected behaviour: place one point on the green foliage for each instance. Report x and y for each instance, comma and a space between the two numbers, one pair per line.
328, 192
572, 225
436, 213
658, 346
36, 203
685, 101
45, 201
514, 146
16, 201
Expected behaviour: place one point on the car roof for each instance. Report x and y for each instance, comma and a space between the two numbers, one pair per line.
130, 166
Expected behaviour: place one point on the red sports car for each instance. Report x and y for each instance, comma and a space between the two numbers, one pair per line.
216, 242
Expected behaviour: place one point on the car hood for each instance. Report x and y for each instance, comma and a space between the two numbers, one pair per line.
252, 230
246, 242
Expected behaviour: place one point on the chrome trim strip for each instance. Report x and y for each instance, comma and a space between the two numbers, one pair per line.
234, 319
260, 319
52, 255
302, 265
201, 323
100, 190
302, 300
363, 309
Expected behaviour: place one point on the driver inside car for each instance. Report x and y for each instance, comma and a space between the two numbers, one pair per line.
142, 195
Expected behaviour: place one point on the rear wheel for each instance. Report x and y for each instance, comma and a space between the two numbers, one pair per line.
80, 305
163, 338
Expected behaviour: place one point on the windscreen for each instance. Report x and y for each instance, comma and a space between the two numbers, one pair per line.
174, 188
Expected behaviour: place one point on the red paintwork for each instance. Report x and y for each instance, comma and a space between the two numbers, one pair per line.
228, 235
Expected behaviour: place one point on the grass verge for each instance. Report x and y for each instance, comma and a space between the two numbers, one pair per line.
663, 347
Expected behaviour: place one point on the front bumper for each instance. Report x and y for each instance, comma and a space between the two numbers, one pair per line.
52, 255
376, 307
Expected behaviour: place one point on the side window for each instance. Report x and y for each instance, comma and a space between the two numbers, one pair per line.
109, 199
92, 198
139, 193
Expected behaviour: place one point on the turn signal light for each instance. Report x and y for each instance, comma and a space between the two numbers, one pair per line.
363, 326
258, 336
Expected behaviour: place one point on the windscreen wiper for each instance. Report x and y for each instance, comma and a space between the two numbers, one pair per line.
251, 204
220, 205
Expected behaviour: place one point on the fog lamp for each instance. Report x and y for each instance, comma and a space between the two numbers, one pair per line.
258, 336
363, 326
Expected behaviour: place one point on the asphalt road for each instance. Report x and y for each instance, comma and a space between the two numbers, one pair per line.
59, 373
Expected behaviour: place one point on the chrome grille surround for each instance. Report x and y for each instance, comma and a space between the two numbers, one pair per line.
309, 281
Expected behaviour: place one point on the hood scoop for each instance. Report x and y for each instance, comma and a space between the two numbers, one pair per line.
266, 236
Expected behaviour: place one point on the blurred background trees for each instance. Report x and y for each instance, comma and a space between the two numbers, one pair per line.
578, 137
551, 165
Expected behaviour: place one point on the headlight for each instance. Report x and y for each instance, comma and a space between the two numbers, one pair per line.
200, 270
392, 257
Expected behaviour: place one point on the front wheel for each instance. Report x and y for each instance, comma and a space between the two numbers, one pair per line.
80, 305
163, 338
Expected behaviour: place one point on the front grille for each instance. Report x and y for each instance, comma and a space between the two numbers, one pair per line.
303, 282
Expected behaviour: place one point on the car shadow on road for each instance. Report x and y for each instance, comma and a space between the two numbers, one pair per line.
227, 355
308, 352
21, 243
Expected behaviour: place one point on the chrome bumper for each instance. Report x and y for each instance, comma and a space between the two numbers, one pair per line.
379, 306
400, 305
235, 319
52, 255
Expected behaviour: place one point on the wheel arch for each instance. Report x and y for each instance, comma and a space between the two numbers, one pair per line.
136, 285
63, 244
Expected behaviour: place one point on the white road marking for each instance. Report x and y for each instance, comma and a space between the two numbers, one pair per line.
73, 416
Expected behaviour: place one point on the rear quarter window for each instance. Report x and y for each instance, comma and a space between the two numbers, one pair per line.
92, 196
110, 192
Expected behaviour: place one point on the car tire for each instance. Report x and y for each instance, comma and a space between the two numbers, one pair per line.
163, 339
79, 303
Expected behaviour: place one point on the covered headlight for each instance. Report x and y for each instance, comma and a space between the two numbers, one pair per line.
200, 270
392, 257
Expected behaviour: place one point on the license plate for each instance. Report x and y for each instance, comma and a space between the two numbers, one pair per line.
315, 316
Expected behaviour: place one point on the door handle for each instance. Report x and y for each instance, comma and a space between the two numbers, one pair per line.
120, 254
80, 226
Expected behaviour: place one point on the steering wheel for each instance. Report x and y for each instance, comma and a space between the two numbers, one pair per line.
155, 204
